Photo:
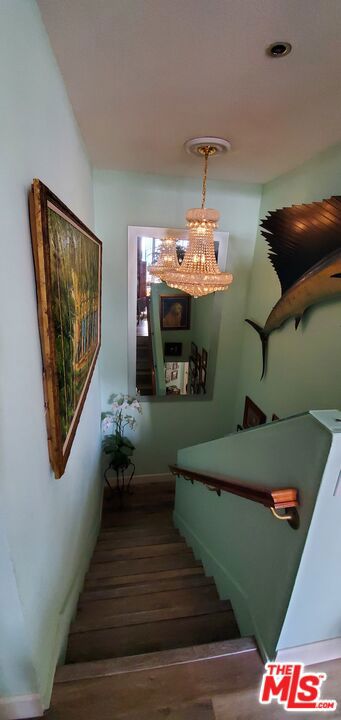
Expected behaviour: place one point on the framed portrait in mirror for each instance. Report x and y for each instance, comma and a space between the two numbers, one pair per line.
175, 312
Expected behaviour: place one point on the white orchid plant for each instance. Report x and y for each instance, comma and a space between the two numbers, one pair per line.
114, 423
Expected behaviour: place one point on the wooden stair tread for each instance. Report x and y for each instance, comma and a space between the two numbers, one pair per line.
197, 710
133, 567
201, 606
146, 601
140, 589
152, 661
137, 541
142, 551
145, 515
141, 577
136, 533
147, 505
151, 636
151, 486
154, 519
134, 528
154, 522
140, 694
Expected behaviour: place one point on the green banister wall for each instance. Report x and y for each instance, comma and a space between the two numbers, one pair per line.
253, 557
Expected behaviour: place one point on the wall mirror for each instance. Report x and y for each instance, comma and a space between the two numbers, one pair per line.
172, 337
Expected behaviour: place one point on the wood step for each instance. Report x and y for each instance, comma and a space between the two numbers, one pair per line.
147, 504
141, 508
154, 519
146, 601
151, 508
184, 691
138, 533
179, 691
122, 541
133, 567
200, 606
125, 520
148, 577
197, 710
140, 552
152, 486
148, 588
137, 505
153, 661
151, 636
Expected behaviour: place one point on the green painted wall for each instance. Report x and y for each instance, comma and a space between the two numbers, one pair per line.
123, 199
47, 526
253, 557
304, 369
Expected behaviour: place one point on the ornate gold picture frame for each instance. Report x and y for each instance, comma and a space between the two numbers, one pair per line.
68, 267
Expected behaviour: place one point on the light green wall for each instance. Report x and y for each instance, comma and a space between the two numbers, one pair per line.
123, 199
304, 369
47, 526
253, 557
202, 323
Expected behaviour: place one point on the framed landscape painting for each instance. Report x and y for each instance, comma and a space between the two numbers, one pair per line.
68, 265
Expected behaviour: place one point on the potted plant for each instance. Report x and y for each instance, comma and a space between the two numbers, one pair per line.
115, 443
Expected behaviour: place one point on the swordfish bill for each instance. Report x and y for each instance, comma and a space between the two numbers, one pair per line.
305, 251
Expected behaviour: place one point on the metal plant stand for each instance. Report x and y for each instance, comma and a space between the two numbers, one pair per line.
124, 476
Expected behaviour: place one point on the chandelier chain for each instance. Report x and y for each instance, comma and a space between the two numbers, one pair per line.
204, 180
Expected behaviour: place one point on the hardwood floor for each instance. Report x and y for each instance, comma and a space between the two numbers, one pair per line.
151, 639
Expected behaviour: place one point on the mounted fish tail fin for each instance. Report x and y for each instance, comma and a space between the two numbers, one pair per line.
264, 340
299, 238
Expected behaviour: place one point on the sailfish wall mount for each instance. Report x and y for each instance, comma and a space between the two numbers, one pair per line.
305, 251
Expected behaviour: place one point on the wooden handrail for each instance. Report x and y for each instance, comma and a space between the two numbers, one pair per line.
273, 498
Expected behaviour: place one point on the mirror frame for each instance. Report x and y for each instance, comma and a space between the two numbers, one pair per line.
135, 231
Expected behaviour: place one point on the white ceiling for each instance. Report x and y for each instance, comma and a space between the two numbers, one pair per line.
145, 75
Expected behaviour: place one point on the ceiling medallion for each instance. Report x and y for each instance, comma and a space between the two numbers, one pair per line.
199, 273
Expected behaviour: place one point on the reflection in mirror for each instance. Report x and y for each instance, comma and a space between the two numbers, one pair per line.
175, 334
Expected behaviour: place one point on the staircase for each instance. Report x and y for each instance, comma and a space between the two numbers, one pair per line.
144, 365
151, 638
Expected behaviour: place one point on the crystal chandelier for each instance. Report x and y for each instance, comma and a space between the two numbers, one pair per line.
167, 260
199, 273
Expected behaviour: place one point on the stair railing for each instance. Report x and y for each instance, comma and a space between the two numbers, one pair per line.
276, 499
